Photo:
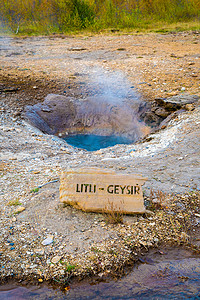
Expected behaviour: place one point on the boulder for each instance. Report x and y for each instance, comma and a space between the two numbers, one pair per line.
176, 102
98, 190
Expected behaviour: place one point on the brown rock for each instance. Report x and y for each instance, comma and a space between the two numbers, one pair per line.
161, 112
189, 107
101, 191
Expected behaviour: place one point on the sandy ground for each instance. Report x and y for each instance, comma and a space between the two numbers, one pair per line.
84, 244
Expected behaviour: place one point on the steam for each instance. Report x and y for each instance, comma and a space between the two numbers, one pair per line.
5, 43
112, 85
109, 107
5, 39
113, 98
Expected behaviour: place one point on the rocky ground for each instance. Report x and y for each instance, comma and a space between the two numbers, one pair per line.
39, 237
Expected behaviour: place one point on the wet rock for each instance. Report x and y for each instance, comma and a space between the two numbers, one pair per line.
151, 118
170, 117
54, 113
46, 109
162, 109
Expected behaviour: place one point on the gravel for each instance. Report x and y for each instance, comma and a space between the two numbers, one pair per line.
42, 239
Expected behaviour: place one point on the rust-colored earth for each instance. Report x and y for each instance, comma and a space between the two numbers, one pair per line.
158, 65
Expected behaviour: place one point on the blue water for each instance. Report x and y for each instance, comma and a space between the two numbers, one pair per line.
92, 142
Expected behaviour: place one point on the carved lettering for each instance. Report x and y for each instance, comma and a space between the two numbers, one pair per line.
77, 190
128, 189
86, 186
136, 189
110, 189
96, 190
116, 190
122, 188
131, 190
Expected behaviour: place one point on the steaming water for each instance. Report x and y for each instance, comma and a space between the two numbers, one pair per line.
95, 142
108, 105
114, 100
113, 85
174, 277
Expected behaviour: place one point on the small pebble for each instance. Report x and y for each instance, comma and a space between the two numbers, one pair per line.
19, 209
48, 240
56, 259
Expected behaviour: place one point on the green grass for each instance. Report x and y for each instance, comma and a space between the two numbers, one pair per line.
74, 16
68, 267
14, 202
34, 190
145, 27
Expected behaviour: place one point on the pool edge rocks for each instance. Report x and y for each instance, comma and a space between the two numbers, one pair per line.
98, 190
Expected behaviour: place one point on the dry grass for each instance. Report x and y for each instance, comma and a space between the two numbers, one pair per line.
157, 200
113, 214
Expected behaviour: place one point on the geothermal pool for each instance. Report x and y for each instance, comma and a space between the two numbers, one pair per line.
92, 142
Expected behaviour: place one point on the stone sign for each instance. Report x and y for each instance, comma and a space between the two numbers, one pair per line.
100, 191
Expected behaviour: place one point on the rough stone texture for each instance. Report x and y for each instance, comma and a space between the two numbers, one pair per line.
95, 115
99, 190
162, 108
160, 111
31, 159
181, 100
56, 113
177, 102
63, 115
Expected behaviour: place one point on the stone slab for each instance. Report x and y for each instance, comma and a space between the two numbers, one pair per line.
97, 190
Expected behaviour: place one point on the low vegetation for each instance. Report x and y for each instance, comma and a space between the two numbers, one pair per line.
64, 16
15, 202
34, 190
157, 200
68, 267
113, 214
